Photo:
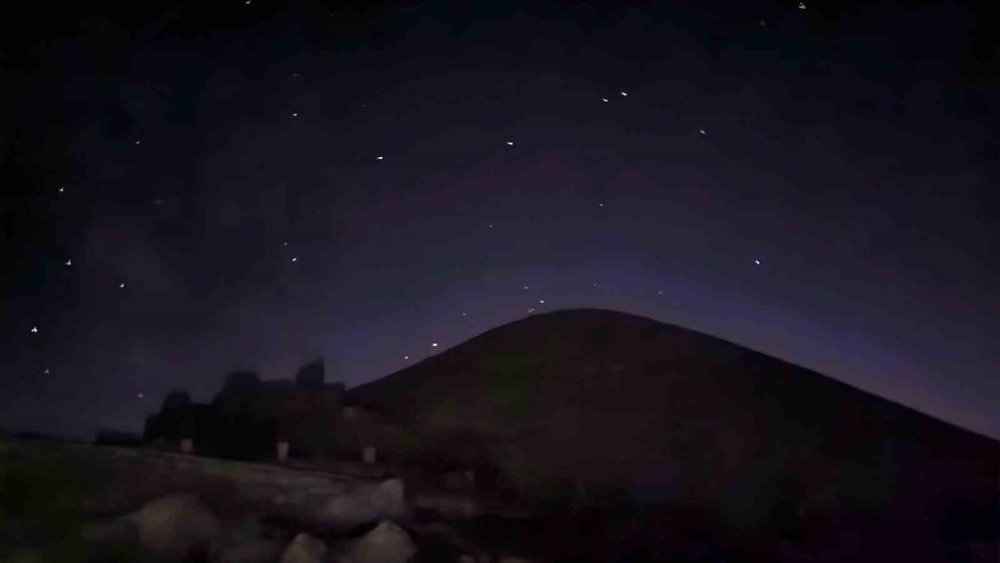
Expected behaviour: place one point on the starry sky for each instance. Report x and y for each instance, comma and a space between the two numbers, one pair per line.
195, 188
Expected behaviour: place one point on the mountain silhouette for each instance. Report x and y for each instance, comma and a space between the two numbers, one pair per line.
582, 404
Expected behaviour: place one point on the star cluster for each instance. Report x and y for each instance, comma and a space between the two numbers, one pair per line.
252, 186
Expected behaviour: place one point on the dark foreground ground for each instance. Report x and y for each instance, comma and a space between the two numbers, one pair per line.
56, 498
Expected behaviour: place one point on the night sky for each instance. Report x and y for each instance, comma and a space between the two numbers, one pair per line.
191, 189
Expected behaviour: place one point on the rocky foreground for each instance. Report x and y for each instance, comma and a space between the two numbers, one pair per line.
64, 501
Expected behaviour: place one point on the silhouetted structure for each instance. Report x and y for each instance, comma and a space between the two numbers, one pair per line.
311, 375
240, 384
248, 418
604, 409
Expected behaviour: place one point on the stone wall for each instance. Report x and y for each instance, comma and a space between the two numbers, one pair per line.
249, 416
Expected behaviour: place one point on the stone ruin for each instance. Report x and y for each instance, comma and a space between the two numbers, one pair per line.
311, 375
279, 419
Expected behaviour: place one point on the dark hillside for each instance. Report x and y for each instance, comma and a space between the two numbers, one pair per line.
585, 403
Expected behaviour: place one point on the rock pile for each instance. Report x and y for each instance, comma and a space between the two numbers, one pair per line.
305, 549
175, 527
365, 504
180, 527
146, 505
386, 543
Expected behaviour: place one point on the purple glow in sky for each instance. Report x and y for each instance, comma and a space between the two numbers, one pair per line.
250, 186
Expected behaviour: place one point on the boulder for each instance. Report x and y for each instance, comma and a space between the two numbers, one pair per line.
305, 549
175, 527
366, 504
243, 544
386, 543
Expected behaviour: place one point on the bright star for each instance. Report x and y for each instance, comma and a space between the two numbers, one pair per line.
702, 131
61, 190
69, 262
605, 100
510, 143
406, 357
294, 259
757, 262
378, 158
122, 285
542, 301
137, 142
624, 94
295, 115
46, 371
802, 5
434, 345
34, 329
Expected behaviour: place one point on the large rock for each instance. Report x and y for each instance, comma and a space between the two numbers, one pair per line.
364, 505
175, 527
386, 543
244, 544
305, 549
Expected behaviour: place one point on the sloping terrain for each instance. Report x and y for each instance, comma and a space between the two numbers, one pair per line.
593, 403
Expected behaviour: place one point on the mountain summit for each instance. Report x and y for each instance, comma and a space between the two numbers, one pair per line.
580, 402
